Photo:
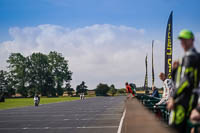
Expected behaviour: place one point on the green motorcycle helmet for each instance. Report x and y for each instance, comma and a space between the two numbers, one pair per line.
186, 34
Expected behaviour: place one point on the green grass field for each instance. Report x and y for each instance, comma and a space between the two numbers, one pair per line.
22, 102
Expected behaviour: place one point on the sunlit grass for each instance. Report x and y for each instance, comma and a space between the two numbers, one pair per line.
22, 102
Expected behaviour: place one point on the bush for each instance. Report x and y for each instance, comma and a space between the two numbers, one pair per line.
102, 90
112, 90
121, 91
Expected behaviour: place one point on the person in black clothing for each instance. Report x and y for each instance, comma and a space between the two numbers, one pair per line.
186, 77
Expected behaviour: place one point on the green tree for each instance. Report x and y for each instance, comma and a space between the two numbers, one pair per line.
18, 72
38, 73
3, 85
102, 89
70, 91
40, 78
112, 90
9, 85
59, 70
3, 82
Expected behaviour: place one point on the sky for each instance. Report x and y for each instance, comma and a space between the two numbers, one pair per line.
104, 40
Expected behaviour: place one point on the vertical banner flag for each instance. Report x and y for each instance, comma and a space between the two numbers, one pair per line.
168, 47
153, 79
146, 75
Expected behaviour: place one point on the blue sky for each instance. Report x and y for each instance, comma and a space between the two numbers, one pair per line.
148, 14
104, 40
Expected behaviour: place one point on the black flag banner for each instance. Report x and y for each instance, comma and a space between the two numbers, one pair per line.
153, 79
146, 75
168, 47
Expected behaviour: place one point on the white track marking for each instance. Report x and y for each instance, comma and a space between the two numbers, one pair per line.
121, 121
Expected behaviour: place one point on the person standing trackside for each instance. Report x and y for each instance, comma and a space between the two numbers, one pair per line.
168, 89
128, 90
133, 88
186, 79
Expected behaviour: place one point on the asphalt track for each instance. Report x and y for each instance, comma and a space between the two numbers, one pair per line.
92, 115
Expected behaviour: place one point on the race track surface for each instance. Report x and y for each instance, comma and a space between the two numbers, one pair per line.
92, 115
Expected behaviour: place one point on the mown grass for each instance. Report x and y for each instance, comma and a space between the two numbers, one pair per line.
22, 102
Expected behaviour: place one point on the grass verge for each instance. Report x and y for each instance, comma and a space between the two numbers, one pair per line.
22, 102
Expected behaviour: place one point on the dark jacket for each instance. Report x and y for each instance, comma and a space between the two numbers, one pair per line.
155, 93
187, 76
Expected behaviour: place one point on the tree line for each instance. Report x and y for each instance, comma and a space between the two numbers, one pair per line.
48, 75
104, 90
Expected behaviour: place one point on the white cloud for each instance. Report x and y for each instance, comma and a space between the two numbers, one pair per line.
97, 53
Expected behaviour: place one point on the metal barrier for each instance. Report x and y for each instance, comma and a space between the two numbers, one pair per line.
149, 102
161, 112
